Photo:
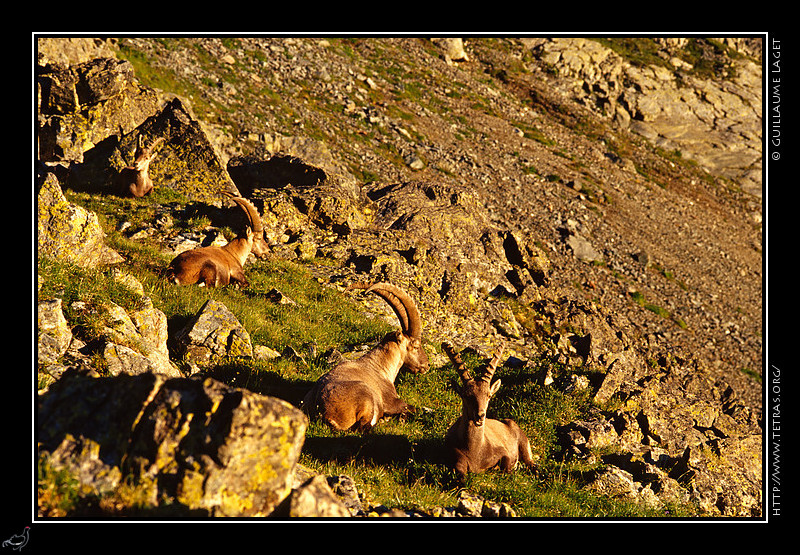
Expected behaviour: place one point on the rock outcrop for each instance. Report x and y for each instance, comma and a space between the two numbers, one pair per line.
717, 126
194, 445
92, 114
678, 437
83, 105
68, 232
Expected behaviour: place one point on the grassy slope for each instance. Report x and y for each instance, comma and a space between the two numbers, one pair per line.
398, 464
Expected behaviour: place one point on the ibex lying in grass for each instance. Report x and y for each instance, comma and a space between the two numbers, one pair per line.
134, 180
476, 443
215, 266
356, 394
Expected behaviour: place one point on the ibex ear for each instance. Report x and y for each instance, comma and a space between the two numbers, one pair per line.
455, 386
395, 335
494, 387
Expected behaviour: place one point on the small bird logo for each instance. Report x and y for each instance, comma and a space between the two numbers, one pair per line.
18, 541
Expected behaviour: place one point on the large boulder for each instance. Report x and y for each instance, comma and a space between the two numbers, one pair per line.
185, 162
188, 162
299, 161
68, 232
197, 444
81, 106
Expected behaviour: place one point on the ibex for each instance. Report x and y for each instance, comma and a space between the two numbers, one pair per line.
476, 443
134, 180
356, 394
214, 266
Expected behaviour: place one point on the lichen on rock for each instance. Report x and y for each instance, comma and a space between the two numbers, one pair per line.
68, 232
213, 333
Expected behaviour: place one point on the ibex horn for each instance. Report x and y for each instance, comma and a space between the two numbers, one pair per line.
393, 301
455, 358
252, 213
402, 304
491, 368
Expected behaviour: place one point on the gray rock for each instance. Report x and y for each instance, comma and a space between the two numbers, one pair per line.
472, 505
583, 249
615, 482
136, 342
69, 232
120, 359
623, 366
53, 333
452, 49
313, 499
345, 488
213, 333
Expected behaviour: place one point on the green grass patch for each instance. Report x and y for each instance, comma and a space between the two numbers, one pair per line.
639, 299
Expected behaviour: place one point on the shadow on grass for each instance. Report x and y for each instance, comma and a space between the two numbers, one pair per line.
374, 449
262, 381
422, 461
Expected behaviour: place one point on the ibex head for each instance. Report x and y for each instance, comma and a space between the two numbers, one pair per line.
134, 180
474, 392
144, 153
409, 337
258, 247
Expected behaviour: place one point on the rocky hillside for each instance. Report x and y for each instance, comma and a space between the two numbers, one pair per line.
591, 203
657, 166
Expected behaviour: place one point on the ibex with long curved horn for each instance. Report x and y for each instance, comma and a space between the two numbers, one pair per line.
214, 266
356, 394
476, 443
135, 180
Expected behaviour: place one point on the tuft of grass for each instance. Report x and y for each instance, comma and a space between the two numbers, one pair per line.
752, 374
639, 299
58, 491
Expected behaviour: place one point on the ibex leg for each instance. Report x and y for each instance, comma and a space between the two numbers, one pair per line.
212, 274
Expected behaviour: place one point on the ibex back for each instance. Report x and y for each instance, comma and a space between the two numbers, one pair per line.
476, 443
135, 180
356, 394
215, 266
